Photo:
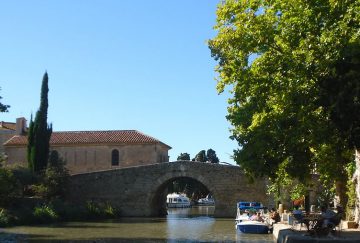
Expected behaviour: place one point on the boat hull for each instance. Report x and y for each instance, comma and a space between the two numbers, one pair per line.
253, 227
178, 205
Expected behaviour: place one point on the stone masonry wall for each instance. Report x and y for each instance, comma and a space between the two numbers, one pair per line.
141, 190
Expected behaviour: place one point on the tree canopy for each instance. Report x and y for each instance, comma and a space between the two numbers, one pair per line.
273, 56
211, 156
200, 157
3, 108
183, 156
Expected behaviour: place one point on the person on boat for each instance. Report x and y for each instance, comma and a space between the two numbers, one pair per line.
274, 216
257, 217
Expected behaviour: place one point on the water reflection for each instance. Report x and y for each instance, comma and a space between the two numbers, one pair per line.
184, 225
180, 225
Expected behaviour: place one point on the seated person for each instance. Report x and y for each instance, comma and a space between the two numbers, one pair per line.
299, 216
297, 212
257, 217
274, 216
326, 216
336, 219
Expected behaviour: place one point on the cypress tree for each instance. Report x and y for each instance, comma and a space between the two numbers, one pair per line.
40, 133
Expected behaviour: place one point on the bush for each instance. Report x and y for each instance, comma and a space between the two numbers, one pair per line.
110, 211
8, 186
25, 178
100, 211
4, 218
45, 214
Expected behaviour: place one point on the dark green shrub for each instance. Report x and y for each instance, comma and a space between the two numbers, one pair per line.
8, 186
93, 210
4, 218
45, 214
110, 211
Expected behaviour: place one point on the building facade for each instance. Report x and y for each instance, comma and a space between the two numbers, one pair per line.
87, 151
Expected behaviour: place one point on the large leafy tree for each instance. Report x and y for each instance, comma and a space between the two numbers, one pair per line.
340, 95
3, 108
273, 54
40, 133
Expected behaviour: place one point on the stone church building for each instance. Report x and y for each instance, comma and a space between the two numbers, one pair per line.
86, 151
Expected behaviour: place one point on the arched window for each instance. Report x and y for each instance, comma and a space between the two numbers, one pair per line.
115, 157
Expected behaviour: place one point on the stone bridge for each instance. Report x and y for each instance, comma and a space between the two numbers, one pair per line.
141, 191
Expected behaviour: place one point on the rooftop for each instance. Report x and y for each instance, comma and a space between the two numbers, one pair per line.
7, 126
91, 137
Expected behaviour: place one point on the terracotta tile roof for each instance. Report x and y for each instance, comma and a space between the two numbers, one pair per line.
92, 137
7, 126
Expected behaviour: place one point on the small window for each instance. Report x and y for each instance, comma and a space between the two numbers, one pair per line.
115, 157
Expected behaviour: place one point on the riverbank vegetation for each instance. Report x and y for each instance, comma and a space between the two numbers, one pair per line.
293, 70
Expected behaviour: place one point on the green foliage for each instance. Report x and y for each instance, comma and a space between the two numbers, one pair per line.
56, 211
273, 55
183, 156
284, 188
351, 192
45, 214
201, 156
4, 218
8, 186
298, 191
25, 179
340, 93
3, 108
326, 195
39, 133
100, 210
54, 180
211, 156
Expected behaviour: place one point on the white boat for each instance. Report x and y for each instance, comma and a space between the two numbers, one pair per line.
245, 224
175, 200
253, 227
208, 200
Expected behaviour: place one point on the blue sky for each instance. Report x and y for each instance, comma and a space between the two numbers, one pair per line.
115, 65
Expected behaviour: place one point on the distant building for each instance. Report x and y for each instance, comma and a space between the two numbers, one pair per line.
87, 151
9, 129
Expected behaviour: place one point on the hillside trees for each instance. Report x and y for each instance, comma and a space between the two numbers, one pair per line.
274, 56
39, 133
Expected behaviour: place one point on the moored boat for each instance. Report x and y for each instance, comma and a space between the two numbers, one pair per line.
208, 200
244, 222
175, 200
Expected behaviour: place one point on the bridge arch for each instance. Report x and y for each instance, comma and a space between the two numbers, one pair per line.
140, 191
157, 199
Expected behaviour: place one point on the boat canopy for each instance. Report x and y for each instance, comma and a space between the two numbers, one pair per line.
249, 205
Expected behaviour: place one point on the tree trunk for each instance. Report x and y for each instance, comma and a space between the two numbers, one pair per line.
341, 192
356, 179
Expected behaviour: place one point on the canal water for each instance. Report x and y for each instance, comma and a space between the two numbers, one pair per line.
181, 225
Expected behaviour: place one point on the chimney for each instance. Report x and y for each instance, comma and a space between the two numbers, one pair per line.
20, 126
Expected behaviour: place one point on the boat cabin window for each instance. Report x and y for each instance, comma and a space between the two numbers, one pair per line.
115, 157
